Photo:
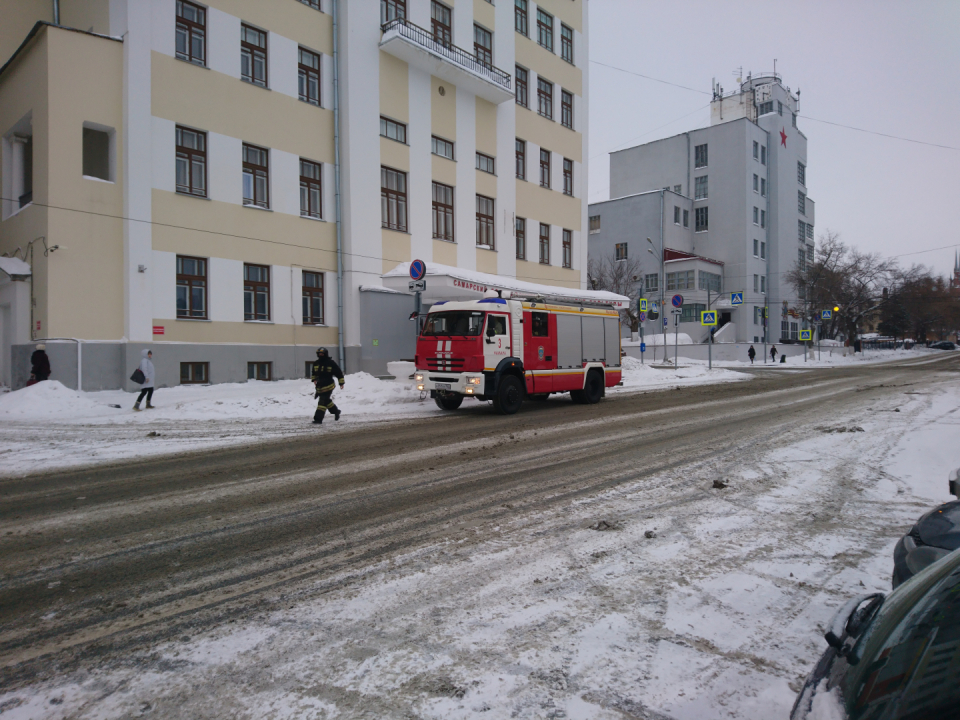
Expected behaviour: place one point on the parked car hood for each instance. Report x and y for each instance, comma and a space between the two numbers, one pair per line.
941, 526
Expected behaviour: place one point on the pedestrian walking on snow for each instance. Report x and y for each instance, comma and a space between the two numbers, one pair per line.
322, 373
40, 364
146, 387
773, 354
751, 353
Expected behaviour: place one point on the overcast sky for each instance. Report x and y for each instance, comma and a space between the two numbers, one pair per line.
889, 67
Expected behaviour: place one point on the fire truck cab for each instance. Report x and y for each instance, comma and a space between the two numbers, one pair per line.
506, 350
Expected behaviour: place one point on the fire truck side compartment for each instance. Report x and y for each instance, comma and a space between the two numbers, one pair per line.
569, 354
611, 332
593, 345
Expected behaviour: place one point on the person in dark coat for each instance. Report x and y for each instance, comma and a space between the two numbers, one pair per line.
40, 363
149, 375
751, 353
773, 353
322, 373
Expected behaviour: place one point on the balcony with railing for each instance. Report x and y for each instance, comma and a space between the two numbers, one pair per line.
421, 49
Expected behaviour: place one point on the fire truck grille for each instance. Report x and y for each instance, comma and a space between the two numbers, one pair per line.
448, 364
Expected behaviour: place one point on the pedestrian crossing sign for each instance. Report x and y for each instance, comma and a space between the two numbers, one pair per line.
642, 305
736, 298
708, 317
826, 314
805, 335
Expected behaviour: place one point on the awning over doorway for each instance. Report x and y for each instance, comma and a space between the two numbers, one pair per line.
16, 268
451, 283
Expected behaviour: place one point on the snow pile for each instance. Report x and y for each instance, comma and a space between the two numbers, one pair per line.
643, 376
50, 399
659, 340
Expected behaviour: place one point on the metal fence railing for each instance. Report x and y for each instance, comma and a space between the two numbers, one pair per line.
457, 55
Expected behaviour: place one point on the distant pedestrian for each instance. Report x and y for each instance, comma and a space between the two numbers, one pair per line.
149, 374
40, 364
322, 373
751, 353
773, 354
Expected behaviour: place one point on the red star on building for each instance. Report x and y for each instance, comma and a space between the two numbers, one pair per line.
783, 138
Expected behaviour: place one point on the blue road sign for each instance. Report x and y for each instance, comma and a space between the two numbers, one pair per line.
642, 304
805, 335
677, 300
826, 314
643, 347
736, 298
418, 268
664, 322
708, 317
643, 317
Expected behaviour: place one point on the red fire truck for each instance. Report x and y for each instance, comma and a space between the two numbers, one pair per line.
505, 350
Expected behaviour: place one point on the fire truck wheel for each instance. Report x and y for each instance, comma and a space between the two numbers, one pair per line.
449, 401
593, 388
509, 396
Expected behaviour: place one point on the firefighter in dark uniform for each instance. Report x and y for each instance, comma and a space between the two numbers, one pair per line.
322, 373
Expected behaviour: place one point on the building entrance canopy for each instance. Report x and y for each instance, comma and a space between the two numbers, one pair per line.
451, 283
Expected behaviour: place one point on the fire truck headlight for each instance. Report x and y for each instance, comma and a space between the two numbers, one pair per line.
469, 391
419, 387
474, 381
419, 378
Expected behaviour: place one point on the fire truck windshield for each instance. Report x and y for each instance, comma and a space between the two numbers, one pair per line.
465, 323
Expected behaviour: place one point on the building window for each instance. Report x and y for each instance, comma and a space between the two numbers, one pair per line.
194, 373
677, 188
483, 45
545, 29
521, 147
765, 108
756, 215
810, 254
485, 215
700, 156
801, 260
763, 218
686, 218
310, 195
393, 130
309, 82
392, 10
191, 287
486, 163
96, 154
682, 280
710, 281
763, 283
312, 295
544, 168
620, 251
259, 370
794, 119
700, 188
441, 147
691, 312
794, 334
520, 227
191, 162
763, 154
544, 244
763, 187
756, 283
802, 203
545, 98
520, 19
441, 23
568, 248
594, 224
568, 177
191, 32
801, 230
256, 292
651, 282
566, 43
756, 150
779, 108
756, 248
566, 109
253, 55
256, 176
756, 183
701, 219
763, 251
443, 212
522, 96
676, 214
315, 4
802, 174
393, 199
809, 231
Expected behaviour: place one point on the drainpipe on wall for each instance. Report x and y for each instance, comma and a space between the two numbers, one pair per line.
336, 175
56, 12
663, 282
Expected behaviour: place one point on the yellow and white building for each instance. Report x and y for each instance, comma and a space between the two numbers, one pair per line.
173, 174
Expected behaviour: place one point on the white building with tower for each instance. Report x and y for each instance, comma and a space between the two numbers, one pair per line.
725, 208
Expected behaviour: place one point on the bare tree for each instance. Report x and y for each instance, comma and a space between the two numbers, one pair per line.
621, 277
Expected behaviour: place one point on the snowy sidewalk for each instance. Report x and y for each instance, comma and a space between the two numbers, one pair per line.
50, 426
